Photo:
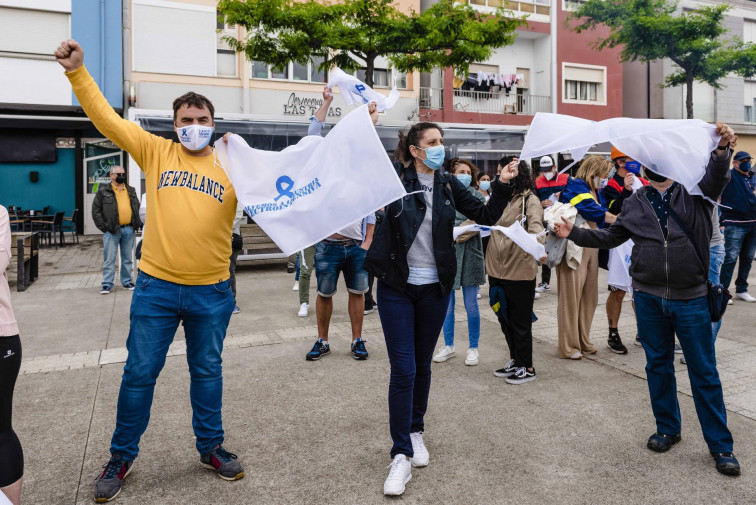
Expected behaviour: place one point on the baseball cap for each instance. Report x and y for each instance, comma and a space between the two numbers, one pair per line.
741, 155
545, 163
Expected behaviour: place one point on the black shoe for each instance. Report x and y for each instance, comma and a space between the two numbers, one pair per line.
508, 371
289, 270
358, 349
319, 349
727, 463
108, 484
615, 344
225, 464
658, 442
369, 307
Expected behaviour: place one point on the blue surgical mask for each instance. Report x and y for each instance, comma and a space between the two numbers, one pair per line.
434, 156
633, 167
465, 179
485, 185
745, 167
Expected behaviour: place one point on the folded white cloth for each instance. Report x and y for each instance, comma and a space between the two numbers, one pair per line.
354, 91
528, 242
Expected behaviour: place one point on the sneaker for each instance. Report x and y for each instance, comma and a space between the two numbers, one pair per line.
615, 344
577, 355
521, 376
537, 296
319, 349
130, 287
296, 286
225, 464
236, 310
678, 349
682, 360
508, 370
400, 474
446, 352
544, 286
358, 350
303, 310
729, 302
637, 341
421, 456
472, 356
105, 290
289, 270
745, 297
369, 307
109, 483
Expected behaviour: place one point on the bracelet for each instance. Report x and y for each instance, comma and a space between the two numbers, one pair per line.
724, 147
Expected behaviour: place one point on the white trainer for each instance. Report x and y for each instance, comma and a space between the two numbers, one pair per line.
446, 352
729, 302
303, 310
472, 356
577, 355
421, 457
745, 297
296, 286
537, 296
400, 474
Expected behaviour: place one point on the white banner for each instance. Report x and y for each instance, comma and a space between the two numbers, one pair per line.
313, 189
677, 148
528, 242
354, 91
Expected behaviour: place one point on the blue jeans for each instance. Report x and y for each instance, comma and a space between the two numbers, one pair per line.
330, 259
658, 320
470, 296
157, 307
110, 243
740, 243
716, 258
411, 321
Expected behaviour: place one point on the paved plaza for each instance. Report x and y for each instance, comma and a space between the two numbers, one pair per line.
317, 432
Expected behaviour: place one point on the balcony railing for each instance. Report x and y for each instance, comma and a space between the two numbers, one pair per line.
431, 98
485, 102
531, 6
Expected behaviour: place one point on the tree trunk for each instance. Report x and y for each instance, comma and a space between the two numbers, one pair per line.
369, 69
689, 95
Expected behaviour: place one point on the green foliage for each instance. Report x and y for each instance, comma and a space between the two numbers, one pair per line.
353, 33
648, 30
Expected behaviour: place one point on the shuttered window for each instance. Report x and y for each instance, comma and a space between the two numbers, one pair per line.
32, 31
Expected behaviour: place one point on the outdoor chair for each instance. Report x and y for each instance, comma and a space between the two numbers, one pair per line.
69, 225
50, 229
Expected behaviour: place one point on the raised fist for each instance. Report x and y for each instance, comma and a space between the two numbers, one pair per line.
70, 55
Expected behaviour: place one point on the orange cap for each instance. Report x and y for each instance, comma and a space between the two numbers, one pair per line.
616, 153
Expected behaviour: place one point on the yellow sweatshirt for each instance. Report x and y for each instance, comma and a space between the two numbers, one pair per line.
190, 200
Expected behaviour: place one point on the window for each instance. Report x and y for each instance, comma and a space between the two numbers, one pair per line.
279, 73
749, 100
291, 72
400, 79
583, 84
385, 78
299, 71
531, 6
749, 31
225, 56
259, 70
571, 5
32, 31
315, 74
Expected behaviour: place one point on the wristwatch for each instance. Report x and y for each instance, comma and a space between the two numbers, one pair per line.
724, 147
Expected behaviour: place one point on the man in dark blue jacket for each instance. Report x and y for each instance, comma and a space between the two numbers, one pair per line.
739, 221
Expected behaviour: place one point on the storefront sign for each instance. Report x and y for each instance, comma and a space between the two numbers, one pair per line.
299, 106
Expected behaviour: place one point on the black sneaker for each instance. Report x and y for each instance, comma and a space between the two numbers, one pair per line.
109, 483
130, 286
508, 370
358, 349
615, 344
319, 349
521, 376
369, 307
678, 349
225, 464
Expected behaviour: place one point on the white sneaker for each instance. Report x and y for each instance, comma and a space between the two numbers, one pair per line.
444, 353
472, 356
400, 474
421, 457
577, 355
296, 286
544, 286
729, 302
303, 309
745, 297
537, 296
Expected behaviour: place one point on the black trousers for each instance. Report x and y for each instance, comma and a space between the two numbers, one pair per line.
519, 328
11, 455
546, 274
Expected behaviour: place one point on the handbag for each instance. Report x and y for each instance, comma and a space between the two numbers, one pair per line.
237, 244
718, 295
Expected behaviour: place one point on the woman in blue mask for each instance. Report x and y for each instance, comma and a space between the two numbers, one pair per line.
412, 257
471, 273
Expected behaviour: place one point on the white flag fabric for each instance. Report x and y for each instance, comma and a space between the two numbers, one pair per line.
526, 241
313, 189
619, 266
354, 91
677, 148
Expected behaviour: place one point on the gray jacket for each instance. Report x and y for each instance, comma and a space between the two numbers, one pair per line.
668, 268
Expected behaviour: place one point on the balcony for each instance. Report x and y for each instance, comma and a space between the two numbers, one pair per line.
542, 7
483, 102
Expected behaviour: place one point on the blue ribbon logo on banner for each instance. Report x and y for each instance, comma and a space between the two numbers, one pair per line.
284, 191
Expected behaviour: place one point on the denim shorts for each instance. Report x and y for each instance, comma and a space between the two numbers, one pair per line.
330, 259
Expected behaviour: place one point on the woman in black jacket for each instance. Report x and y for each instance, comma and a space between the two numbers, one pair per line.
412, 257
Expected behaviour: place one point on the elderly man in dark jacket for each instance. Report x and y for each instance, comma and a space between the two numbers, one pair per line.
670, 291
115, 212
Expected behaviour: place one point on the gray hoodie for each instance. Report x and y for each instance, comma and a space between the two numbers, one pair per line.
668, 268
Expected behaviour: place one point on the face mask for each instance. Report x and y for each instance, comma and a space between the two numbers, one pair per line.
465, 179
120, 178
655, 177
485, 185
549, 175
434, 157
633, 167
195, 137
745, 167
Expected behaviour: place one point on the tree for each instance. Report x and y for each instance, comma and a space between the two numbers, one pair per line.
649, 30
353, 33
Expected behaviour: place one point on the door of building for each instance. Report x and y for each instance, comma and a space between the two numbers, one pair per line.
99, 157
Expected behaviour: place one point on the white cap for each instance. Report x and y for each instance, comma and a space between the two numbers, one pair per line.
545, 162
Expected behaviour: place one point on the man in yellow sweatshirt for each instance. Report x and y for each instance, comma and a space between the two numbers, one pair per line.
183, 273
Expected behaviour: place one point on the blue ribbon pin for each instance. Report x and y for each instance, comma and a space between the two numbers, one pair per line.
284, 191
